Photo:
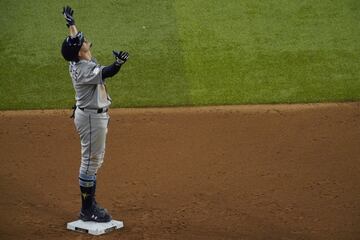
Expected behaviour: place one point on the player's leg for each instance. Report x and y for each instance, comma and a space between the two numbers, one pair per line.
92, 129
94, 149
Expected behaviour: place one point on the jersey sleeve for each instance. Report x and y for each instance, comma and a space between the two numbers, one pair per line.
90, 73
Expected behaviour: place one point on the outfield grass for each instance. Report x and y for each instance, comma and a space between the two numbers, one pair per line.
186, 52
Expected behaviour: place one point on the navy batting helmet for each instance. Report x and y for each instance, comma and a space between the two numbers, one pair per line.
71, 46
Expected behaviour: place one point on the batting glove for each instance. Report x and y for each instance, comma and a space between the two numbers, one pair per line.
68, 15
120, 57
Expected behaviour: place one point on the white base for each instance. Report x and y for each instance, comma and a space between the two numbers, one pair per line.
94, 228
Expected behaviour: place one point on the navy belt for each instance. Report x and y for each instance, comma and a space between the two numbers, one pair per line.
99, 110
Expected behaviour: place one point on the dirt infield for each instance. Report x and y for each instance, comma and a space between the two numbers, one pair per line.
236, 172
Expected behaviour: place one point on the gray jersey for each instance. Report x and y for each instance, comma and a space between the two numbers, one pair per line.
89, 86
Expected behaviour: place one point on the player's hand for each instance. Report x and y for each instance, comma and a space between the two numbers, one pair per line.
68, 15
120, 57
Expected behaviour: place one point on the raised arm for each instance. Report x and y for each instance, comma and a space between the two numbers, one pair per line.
70, 21
120, 58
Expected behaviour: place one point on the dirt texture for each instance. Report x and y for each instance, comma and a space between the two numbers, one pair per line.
234, 172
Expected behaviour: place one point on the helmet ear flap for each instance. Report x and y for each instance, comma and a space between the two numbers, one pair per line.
71, 46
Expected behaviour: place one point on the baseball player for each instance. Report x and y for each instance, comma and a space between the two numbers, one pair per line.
90, 112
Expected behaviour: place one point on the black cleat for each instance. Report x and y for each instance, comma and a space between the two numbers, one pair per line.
95, 213
98, 206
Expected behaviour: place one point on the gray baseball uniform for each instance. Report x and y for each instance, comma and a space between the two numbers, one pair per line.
91, 112
91, 95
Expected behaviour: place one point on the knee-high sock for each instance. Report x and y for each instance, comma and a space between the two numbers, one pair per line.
87, 197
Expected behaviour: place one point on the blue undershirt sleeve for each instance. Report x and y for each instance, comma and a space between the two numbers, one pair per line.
110, 70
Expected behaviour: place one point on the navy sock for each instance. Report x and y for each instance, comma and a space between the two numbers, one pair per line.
87, 197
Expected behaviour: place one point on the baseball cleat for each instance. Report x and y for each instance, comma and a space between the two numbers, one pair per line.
96, 214
99, 207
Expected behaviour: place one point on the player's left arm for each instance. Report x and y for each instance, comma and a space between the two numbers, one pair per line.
70, 21
120, 58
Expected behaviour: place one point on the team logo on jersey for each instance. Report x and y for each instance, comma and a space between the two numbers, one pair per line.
96, 70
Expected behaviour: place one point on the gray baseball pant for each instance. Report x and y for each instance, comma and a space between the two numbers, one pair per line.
92, 128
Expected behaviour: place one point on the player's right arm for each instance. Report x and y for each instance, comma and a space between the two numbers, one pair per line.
73, 30
70, 21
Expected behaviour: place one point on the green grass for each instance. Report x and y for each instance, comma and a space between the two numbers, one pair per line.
186, 52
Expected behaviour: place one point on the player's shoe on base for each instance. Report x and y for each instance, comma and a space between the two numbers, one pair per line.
99, 207
96, 214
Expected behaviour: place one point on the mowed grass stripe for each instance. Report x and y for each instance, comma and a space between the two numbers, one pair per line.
154, 74
34, 75
270, 51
